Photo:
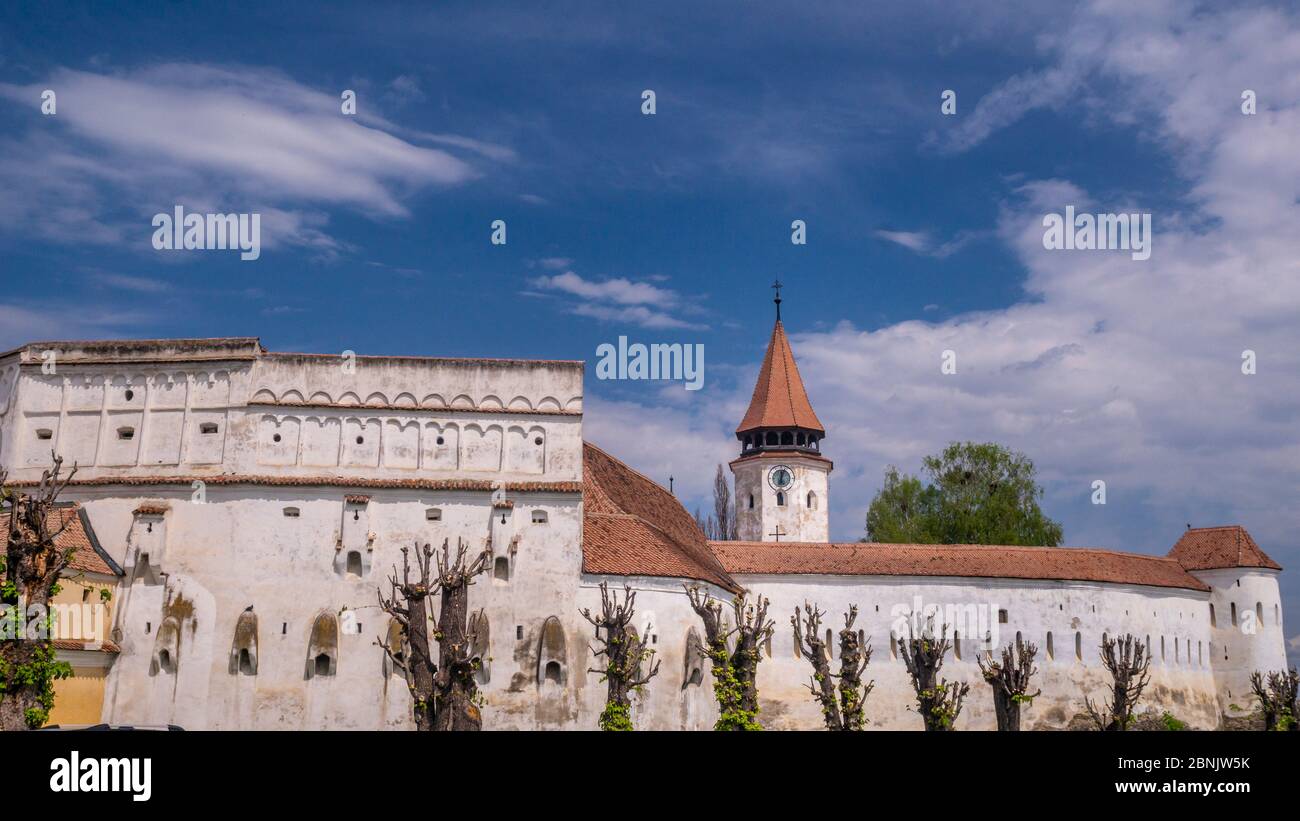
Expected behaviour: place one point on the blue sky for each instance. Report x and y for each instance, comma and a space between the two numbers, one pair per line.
923, 229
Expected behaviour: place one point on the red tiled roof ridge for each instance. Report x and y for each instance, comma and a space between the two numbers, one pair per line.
1099, 565
105, 646
412, 483
1198, 548
920, 545
611, 457
652, 535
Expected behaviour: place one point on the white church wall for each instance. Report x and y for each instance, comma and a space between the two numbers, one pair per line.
238, 548
1065, 609
1248, 633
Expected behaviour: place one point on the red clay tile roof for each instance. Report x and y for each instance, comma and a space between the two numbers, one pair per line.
71, 644
87, 557
780, 400
152, 509
974, 561
1207, 548
631, 526
319, 481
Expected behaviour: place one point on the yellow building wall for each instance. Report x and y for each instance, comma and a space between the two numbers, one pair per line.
79, 699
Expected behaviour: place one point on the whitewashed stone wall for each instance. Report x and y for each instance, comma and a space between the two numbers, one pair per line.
804, 516
1076, 615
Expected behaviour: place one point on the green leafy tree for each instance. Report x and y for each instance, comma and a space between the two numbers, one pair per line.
977, 493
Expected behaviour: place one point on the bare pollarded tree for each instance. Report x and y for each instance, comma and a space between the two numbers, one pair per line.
444, 694
1010, 679
629, 664
734, 655
29, 575
1277, 699
1129, 665
938, 700
842, 695
724, 509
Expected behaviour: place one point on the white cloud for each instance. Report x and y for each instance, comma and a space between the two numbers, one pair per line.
123, 146
122, 282
923, 243
917, 241
620, 300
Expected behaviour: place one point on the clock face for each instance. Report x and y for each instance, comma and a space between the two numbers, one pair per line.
780, 477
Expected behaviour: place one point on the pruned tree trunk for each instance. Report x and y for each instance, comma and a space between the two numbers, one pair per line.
1126, 659
1278, 700
28, 576
854, 658
842, 703
444, 695
734, 655
626, 656
1010, 679
939, 701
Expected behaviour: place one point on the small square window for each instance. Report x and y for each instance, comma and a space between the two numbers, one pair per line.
539, 517
1002, 617
208, 428
291, 513
126, 434
433, 514
44, 434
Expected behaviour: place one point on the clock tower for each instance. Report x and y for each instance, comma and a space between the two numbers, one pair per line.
780, 473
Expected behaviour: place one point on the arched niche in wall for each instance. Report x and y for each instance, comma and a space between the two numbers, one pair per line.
526, 449
440, 446
395, 638
552, 659
693, 669
480, 646
481, 447
166, 647
323, 646
243, 650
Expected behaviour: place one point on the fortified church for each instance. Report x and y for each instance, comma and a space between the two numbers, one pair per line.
245, 507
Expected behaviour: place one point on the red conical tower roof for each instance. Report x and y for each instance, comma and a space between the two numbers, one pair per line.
780, 400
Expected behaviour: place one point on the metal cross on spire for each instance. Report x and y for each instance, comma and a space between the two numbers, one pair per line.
777, 286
